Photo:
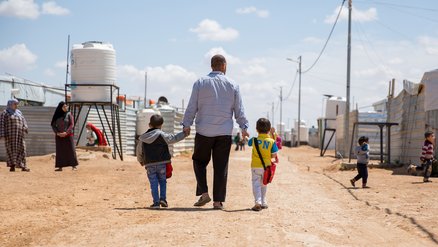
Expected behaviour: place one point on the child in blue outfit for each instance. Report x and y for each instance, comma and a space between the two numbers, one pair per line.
153, 153
363, 156
268, 150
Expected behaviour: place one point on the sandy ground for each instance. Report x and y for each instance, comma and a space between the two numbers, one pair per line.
105, 202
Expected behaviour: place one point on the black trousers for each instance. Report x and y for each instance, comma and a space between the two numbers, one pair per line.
362, 170
205, 147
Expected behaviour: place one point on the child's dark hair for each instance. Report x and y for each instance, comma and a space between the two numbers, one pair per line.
428, 133
362, 139
263, 125
156, 121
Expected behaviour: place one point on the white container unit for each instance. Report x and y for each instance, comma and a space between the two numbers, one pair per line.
93, 63
143, 119
335, 106
281, 127
304, 131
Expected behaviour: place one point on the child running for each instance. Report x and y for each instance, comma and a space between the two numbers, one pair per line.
427, 154
268, 149
363, 156
153, 153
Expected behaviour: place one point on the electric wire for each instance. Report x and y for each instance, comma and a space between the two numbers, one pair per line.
328, 38
382, 63
398, 5
293, 84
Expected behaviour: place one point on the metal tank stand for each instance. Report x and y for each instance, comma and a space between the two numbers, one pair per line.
333, 132
388, 136
113, 121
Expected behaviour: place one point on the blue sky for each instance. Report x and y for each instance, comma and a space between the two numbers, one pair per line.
173, 40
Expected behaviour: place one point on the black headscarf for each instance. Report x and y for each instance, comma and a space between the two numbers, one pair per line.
58, 112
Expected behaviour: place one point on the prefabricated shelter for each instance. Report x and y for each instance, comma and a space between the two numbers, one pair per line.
172, 124
29, 92
370, 129
327, 125
415, 108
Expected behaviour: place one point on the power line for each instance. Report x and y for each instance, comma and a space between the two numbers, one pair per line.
293, 84
382, 63
328, 39
399, 5
393, 30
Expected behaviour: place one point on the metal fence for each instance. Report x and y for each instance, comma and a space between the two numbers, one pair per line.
41, 139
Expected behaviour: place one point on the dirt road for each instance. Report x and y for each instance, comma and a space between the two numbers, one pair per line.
105, 202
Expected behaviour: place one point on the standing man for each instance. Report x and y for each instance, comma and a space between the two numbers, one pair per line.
13, 127
214, 100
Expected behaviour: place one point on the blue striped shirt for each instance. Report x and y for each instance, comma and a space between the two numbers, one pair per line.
214, 100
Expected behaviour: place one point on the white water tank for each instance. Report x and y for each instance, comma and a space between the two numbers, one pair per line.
335, 106
280, 129
143, 119
304, 131
93, 63
288, 135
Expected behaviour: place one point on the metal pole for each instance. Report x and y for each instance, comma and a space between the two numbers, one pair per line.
68, 51
347, 106
299, 102
281, 111
145, 88
272, 114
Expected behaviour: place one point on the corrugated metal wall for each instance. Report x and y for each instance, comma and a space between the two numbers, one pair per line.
372, 132
342, 145
41, 139
408, 137
172, 124
131, 118
127, 126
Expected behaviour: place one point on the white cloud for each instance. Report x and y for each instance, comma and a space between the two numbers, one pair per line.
395, 61
211, 30
49, 72
52, 8
25, 9
17, 58
219, 50
429, 44
312, 40
357, 15
172, 81
28, 9
254, 70
60, 64
262, 13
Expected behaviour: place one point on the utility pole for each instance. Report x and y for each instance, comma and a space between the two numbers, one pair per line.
67, 60
281, 111
299, 102
145, 88
273, 114
347, 106
299, 97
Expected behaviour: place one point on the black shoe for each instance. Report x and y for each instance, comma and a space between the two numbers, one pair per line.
25, 169
219, 206
202, 201
58, 169
163, 203
352, 181
12, 169
156, 205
